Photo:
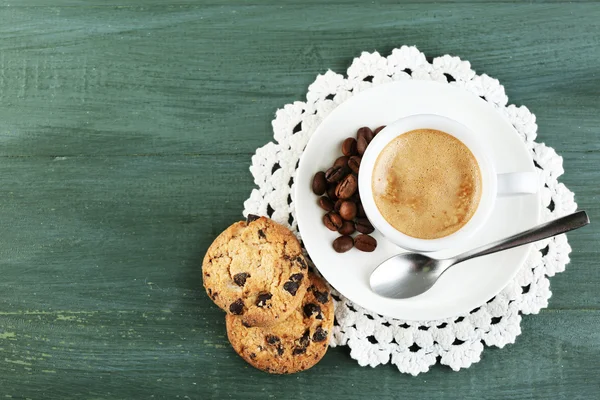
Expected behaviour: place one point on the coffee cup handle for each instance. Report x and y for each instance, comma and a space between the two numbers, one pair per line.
516, 183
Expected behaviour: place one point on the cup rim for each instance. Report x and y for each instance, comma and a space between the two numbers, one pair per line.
469, 139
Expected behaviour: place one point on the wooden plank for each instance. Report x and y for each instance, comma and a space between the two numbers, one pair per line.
195, 79
184, 352
120, 217
126, 134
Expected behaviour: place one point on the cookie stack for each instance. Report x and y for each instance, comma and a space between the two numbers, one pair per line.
279, 315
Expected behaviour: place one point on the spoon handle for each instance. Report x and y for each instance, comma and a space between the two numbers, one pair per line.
544, 231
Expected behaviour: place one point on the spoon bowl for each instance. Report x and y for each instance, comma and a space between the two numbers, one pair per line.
411, 274
407, 275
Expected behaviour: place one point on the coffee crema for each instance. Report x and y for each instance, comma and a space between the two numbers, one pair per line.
426, 184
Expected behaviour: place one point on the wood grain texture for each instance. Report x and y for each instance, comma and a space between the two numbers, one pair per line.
126, 134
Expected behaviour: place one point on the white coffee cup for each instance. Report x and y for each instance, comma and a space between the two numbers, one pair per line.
493, 184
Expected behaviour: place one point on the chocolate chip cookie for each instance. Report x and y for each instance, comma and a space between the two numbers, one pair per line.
255, 269
293, 345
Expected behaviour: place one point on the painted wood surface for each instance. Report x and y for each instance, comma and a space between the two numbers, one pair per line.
126, 131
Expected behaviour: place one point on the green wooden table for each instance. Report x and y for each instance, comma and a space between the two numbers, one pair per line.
126, 131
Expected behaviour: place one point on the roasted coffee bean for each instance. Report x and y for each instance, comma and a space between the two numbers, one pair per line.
347, 228
325, 203
360, 210
237, 307
332, 221
379, 129
366, 133
348, 210
331, 192
365, 243
363, 225
354, 164
319, 183
319, 335
240, 279
341, 162
262, 299
337, 205
343, 244
361, 145
335, 174
349, 147
347, 187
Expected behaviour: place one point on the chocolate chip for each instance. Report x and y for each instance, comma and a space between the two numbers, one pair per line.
297, 278
280, 350
262, 298
322, 297
261, 234
319, 335
347, 228
251, 218
305, 339
343, 244
214, 295
347, 187
325, 203
291, 287
272, 339
363, 225
310, 309
237, 307
365, 243
335, 174
247, 325
349, 147
253, 355
299, 350
240, 279
319, 183
300, 260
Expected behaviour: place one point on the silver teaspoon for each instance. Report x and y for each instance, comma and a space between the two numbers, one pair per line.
411, 274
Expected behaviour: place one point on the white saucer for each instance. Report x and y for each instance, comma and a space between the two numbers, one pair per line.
465, 286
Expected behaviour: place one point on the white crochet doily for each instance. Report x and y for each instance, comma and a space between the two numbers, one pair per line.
373, 339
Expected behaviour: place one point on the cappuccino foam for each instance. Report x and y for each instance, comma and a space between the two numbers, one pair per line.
426, 184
